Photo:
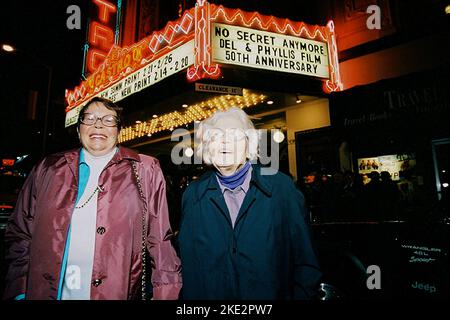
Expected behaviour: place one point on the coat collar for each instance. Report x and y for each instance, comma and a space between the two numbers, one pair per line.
73, 156
209, 182
209, 188
123, 153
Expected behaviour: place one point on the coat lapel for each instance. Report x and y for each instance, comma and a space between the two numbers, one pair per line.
219, 201
216, 197
249, 199
72, 158
258, 183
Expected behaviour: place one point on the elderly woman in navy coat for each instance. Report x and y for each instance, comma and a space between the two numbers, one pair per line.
243, 234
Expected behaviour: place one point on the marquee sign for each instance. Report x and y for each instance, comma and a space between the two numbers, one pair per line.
268, 50
201, 41
163, 67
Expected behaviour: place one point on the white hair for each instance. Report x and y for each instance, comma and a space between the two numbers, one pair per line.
251, 133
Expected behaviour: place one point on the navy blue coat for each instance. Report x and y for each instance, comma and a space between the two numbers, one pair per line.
268, 254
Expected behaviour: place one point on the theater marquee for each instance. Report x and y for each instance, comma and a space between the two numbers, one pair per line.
204, 39
268, 50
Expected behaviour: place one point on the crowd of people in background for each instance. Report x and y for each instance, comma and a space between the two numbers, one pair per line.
342, 196
357, 197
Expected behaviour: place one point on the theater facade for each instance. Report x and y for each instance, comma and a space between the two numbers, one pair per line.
280, 72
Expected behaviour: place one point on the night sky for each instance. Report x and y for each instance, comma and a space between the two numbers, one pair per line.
38, 29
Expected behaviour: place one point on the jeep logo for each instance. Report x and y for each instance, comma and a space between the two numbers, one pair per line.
424, 286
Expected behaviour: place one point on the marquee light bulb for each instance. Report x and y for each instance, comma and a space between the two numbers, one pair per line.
278, 136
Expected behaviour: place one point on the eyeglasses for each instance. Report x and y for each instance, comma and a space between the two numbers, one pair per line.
108, 120
234, 134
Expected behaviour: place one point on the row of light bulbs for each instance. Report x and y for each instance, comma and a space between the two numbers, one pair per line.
190, 114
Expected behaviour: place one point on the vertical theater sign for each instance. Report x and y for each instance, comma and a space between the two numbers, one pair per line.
199, 43
102, 33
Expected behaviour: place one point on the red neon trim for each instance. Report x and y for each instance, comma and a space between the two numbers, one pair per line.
203, 66
153, 46
95, 58
104, 10
267, 23
285, 26
335, 82
172, 29
100, 35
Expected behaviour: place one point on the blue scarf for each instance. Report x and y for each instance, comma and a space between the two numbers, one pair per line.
236, 179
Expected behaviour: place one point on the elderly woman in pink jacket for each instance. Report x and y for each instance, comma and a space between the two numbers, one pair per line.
86, 218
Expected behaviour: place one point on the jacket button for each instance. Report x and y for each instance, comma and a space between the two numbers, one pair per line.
101, 230
97, 282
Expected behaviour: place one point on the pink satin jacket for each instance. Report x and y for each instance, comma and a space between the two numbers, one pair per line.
37, 230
